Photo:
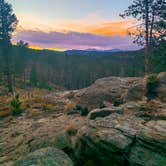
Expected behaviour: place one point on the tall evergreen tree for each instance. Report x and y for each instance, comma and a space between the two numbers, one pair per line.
151, 15
8, 23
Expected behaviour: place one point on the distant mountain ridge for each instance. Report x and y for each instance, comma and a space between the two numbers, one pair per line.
96, 50
112, 50
93, 52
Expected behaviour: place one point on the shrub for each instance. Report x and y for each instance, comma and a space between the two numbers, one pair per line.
151, 86
78, 107
71, 130
83, 111
16, 106
73, 107
118, 102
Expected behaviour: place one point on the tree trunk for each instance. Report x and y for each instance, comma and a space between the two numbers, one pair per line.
24, 78
152, 27
9, 81
8, 73
147, 60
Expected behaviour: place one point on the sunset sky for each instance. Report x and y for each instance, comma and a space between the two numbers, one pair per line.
73, 24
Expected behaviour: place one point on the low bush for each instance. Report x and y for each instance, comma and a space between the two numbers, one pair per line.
71, 130
83, 111
16, 106
151, 86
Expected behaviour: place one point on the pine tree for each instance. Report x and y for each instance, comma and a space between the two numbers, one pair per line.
8, 23
151, 28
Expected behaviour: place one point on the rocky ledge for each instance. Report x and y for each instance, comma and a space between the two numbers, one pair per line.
122, 128
125, 136
129, 130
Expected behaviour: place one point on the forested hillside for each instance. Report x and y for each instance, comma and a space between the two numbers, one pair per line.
75, 69
72, 71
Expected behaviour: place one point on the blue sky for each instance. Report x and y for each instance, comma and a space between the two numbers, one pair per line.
70, 9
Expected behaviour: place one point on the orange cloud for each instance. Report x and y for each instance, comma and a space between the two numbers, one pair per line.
112, 28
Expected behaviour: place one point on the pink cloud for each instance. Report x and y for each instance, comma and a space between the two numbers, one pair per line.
74, 40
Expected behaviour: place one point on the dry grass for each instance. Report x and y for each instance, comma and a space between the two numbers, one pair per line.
34, 102
70, 106
5, 112
51, 107
5, 106
33, 113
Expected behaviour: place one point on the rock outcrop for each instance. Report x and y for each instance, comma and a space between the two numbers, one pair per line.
118, 90
111, 89
123, 139
22, 136
122, 128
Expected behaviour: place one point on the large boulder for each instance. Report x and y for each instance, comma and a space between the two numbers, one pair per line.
136, 90
45, 157
110, 90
